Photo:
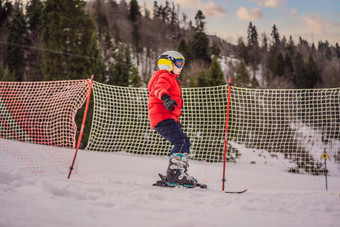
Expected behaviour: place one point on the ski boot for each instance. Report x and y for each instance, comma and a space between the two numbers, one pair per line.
177, 171
177, 174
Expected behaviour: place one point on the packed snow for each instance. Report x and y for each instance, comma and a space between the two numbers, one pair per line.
115, 189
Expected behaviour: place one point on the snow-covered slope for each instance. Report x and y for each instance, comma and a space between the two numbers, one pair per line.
114, 189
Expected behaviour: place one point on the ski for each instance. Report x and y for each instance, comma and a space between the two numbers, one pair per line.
236, 192
163, 183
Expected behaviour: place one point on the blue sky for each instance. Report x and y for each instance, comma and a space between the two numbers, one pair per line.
313, 20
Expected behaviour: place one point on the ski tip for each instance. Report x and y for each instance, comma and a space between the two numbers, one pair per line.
236, 192
161, 176
203, 186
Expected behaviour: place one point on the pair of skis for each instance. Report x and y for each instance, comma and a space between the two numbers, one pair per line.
164, 183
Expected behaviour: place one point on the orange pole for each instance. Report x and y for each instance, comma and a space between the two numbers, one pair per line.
226, 136
82, 127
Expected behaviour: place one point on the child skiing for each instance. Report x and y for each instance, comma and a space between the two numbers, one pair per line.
165, 104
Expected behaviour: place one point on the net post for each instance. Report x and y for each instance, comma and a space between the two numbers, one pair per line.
226, 135
82, 127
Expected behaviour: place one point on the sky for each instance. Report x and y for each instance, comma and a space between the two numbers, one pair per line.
312, 20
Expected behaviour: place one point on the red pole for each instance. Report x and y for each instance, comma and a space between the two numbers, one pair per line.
226, 135
82, 127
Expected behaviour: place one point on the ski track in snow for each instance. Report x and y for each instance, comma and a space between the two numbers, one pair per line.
115, 190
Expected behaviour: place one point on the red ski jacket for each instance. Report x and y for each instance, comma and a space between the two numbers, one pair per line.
163, 82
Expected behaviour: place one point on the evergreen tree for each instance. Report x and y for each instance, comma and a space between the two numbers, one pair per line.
337, 49
300, 73
156, 12
202, 79
7, 75
134, 12
275, 36
199, 20
312, 76
242, 78
117, 74
96, 66
184, 49
242, 50
17, 39
127, 66
253, 48
291, 47
100, 17
283, 43
122, 68
67, 32
135, 80
280, 65
6, 8
249, 31
273, 60
289, 68
200, 46
34, 10
173, 16
216, 76
264, 47
136, 37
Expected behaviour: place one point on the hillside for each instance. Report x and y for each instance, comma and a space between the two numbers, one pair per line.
119, 42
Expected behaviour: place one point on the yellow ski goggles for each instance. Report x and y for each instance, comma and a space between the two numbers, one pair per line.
179, 62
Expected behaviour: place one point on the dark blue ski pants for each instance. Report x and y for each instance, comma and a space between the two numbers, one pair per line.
173, 133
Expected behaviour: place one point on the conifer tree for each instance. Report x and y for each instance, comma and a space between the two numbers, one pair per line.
34, 10
291, 47
135, 79
312, 76
199, 20
7, 75
280, 65
275, 36
242, 50
6, 8
134, 12
242, 78
202, 79
300, 73
289, 68
127, 66
136, 37
96, 66
253, 48
17, 39
116, 76
216, 76
122, 68
156, 13
67, 33
184, 49
337, 50
200, 46
100, 17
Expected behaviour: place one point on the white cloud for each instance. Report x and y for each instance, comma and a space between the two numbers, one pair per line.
249, 14
314, 23
210, 8
269, 3
293, 11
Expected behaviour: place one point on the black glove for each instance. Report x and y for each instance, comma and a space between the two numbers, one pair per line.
168, 102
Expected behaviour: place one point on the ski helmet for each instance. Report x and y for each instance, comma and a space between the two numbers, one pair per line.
166, 59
